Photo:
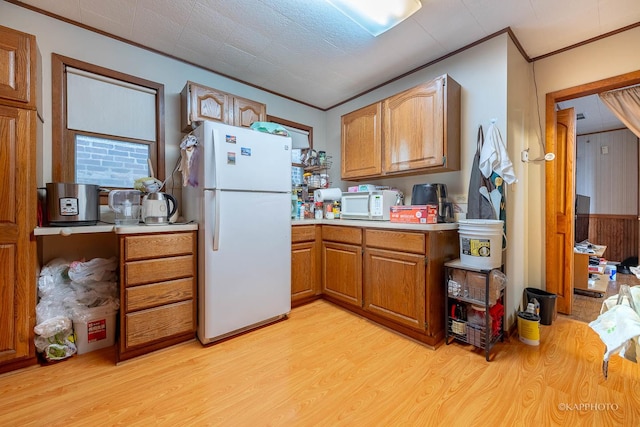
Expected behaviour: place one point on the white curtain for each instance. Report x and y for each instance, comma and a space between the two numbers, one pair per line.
625, 104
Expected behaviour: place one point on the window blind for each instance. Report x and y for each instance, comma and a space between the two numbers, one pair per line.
299, 137
108, 106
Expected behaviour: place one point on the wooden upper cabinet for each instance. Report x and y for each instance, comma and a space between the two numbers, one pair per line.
246, 112
416, 131
199, 103
19, 69
413, 128
361, 148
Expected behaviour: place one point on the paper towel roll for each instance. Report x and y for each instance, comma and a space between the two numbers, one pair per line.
327, 194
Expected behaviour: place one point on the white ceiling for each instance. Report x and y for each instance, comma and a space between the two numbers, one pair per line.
310, 52
597, 116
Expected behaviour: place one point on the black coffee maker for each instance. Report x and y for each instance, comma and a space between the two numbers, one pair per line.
434, 194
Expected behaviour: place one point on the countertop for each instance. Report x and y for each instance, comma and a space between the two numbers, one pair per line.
377, 224
111, 228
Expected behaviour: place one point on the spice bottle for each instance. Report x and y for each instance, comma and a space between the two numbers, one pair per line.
336, 210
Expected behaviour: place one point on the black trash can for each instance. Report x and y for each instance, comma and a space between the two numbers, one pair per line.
547, 302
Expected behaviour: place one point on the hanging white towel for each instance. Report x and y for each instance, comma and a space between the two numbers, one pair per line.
494, 157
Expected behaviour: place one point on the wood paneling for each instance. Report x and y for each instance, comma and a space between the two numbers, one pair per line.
607, 171
619, 233
327, 367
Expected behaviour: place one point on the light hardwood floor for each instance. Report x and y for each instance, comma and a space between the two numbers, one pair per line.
327, 367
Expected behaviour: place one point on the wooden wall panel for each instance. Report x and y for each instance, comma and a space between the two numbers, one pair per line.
619, 233
607, 171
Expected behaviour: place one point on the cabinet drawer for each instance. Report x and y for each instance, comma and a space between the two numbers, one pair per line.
158, 245
303, 233
158, 270
155, 294
352, 235
161, 322
395, 240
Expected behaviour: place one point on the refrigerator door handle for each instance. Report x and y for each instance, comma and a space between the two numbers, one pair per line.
216, 220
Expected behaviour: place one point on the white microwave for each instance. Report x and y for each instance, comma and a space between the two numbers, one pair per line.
375, 205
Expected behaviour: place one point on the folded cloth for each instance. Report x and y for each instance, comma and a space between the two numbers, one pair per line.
494, 157
619, 329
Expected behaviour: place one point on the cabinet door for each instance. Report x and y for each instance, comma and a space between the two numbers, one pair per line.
394, 286
246, 112
208, 104
361, 145
414, 128
17, 220
342, 272
16, 57
304, 270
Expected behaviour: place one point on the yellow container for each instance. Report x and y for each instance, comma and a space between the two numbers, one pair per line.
529, 328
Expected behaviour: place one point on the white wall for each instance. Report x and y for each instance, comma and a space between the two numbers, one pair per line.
609, 177
605, 58
519, 135
55, 36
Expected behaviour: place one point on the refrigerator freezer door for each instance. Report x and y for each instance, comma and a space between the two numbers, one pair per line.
244, 159
247, 280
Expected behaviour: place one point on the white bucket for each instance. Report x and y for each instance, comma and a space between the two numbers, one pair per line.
481, 242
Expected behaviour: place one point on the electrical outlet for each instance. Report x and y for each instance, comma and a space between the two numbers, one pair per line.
524, 156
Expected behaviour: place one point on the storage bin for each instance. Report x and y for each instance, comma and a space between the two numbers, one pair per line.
96, 330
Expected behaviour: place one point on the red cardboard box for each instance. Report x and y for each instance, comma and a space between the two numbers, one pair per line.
416, 214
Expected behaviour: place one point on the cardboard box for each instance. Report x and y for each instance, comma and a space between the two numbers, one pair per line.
414, 214
98, 331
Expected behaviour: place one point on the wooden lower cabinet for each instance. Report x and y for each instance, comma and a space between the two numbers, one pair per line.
305, 264
342, 272
394, 286
158, 291
390, 276
342, 264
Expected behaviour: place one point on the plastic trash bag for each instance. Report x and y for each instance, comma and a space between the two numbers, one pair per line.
53, 274
67, 287
54, 338
95, 270
96, 293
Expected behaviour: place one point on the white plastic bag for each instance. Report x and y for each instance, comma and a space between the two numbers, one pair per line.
54, 338
619, 329
95, 270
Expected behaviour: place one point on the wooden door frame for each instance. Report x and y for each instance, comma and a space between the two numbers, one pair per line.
552, 98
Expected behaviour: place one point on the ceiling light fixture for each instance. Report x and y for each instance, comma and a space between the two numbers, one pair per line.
377, 16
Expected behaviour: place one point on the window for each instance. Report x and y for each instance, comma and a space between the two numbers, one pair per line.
301, 135
301, 139
108, 127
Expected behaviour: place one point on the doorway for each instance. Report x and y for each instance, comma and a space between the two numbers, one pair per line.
558, 239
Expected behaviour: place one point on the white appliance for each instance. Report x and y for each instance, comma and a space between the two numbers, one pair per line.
372, 205
242, 205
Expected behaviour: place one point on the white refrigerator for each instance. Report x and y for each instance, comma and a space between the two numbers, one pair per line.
241, 200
